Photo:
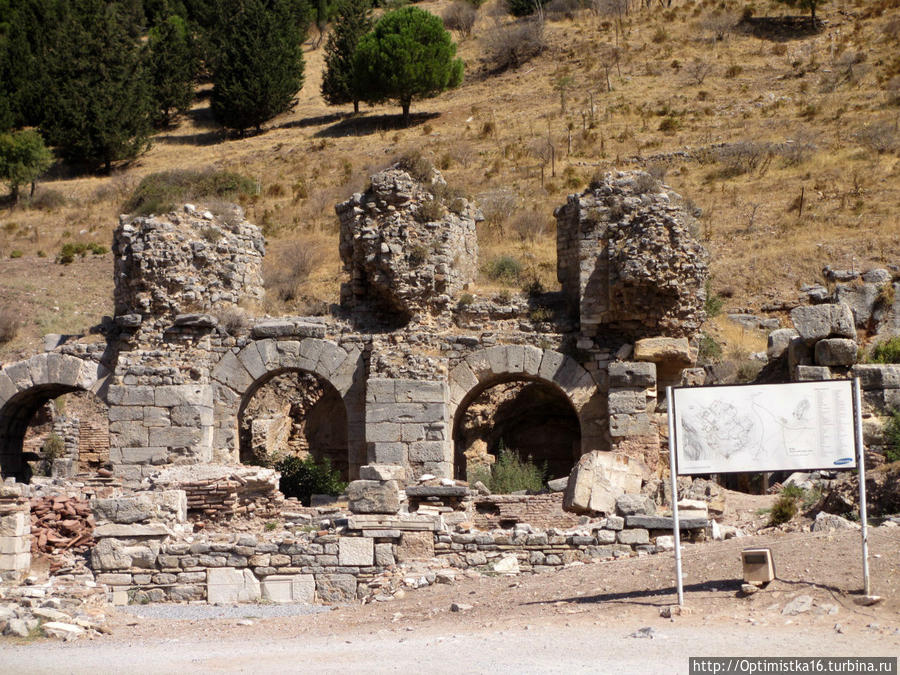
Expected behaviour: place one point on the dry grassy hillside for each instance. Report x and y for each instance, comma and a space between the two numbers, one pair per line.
808, 118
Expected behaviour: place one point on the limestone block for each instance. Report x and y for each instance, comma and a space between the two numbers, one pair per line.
383, 432
551, 364
664, 522
778, 342
416, 391
289, 588
131, 395
627, 401
860, 298
143, 455
633, 537
799, 354
15, 524
20, 374
415, 546
108, 554
388, 453
169, 396
8, 388
175, 437
380, 390
836, 352
356, 551
877, 375
331, 357
384, 555
368, 496
635, 504
676, 351
336, 587
531, 360
599, 478
404, 413
428, 451
226, 585
231, 372
13, 545
817, 322
639, 424
632, 374
812, 373
120, 531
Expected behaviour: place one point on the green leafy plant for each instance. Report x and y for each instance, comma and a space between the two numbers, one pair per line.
302, 478
52, 449
69, 250
465, 300
784, 508
504, 268
407, 56
511, 473
892, 435
709, 351
887, 351
161, 192
23, 158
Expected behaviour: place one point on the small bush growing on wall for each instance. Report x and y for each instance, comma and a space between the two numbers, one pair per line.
303, 478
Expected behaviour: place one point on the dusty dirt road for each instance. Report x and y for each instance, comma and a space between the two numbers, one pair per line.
579, 619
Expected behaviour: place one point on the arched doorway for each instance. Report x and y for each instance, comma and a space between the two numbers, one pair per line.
293, 412
530, 418
27, 387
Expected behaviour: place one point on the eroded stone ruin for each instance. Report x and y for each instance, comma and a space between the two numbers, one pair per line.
404, 388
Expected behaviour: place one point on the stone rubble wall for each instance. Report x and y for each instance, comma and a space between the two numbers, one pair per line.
15, 534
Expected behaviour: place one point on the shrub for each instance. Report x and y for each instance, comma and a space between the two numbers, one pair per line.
290, 269
53, 448
465, 300
161, 192
9, 324
892, 435
887, 351
417, 166
505, 269
16, 253
880, 137
511, 473
48, 200
302, 478
511, 46
497, 206
714, 303
430, 211
418, 254
460, 16
529, 225
69, 250
709, 350
784, 508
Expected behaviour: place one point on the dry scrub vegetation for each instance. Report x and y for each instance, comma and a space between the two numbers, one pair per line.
786, 143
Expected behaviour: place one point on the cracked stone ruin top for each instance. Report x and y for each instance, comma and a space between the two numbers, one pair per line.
408, 245
628, 261
190, 261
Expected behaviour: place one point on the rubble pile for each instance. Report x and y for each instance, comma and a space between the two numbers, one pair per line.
61, 523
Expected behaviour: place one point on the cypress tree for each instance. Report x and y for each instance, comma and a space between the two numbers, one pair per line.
98, 108
258, 66
173, 65
354, 19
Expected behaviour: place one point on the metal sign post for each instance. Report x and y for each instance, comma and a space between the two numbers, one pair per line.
673, 473
863, 519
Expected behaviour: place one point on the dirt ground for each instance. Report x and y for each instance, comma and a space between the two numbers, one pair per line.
579, 619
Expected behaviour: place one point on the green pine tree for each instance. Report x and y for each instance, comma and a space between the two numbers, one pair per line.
354, 19
173, 65
407, 56
258, 67
98, 108
23, 158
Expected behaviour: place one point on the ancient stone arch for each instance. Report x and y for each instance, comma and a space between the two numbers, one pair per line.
488, 367
26, 385
238, 375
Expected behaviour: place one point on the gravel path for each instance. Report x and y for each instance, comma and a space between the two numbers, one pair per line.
197, 612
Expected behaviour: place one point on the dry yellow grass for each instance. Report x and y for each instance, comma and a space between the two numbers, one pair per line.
673, 88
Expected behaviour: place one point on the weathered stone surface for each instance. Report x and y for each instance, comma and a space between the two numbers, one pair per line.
369, 496
817, 322
405, 249
877, 376
812, 373
356, 551
635, 504
415, 546
779, 341
227, 585
336, 587
632, 374
633, 537
665, 350
382, 472
599, 478
664, 522
836, 352
627, 260
289, 588
825, 522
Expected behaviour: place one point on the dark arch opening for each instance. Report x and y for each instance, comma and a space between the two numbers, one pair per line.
293, 412
530, 417
27, 420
